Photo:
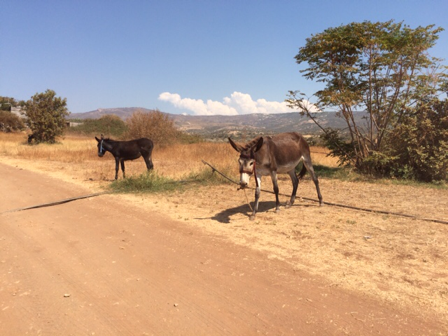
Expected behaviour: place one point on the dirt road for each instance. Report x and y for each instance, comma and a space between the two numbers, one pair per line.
102, 266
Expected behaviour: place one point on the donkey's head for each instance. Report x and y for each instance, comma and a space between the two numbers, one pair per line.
101, 149
247, 159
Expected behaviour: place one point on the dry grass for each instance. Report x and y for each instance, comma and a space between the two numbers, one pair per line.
70, 150
174, 161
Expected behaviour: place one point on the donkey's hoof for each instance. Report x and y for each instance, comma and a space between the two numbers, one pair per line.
288, 205
252, 217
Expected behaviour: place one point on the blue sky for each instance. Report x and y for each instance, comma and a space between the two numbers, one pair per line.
195, 57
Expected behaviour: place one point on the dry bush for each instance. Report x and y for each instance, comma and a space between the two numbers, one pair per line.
155, 125
9, 122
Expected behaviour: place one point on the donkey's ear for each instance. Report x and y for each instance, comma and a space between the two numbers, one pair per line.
97, 139
258, 144
235, 146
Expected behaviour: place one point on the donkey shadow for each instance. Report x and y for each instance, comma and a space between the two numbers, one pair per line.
224, 216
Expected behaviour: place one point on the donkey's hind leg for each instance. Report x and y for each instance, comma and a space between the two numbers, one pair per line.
309, 167
122, 168
117, 165
275, 186
295, 184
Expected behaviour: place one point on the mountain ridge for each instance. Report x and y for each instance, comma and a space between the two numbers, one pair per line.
219, 126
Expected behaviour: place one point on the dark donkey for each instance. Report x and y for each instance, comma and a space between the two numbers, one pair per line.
279, 154
126, 150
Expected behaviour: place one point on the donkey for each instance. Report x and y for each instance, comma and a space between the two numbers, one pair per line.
126, 150
31, 137
272, 155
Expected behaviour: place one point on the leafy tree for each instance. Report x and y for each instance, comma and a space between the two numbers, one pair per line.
46, 116
383, 69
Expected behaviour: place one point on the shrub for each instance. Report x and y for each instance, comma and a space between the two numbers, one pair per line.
155, 125
148, 182
418, 147
9, 122
110, 125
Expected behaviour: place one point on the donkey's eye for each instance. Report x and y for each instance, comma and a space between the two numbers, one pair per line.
251, 163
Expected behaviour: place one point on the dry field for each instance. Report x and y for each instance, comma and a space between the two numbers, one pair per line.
398, 260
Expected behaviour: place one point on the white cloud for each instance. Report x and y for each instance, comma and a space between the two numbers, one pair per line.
197, 106
237, 103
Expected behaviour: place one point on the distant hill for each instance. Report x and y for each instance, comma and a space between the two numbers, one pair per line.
122, 112
247, 125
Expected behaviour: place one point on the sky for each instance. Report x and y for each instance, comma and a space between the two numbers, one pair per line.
199, 57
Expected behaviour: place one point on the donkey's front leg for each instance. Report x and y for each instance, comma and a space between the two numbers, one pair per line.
148, 161
275, 185
257, 198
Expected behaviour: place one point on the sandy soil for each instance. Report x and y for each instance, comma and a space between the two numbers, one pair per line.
192, 263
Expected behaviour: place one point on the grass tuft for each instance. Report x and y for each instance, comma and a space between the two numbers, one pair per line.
149, 182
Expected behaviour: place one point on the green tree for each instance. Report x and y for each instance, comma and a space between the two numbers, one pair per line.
46, 116
383, 69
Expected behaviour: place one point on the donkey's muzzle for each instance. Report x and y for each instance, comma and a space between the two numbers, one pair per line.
242, 186
244, 180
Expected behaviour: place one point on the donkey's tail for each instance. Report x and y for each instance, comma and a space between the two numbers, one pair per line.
302, 172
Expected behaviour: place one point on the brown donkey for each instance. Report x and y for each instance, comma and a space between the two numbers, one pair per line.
272, 155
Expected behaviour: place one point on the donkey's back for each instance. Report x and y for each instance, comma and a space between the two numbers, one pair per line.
144, 143
133, 149
283, 152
